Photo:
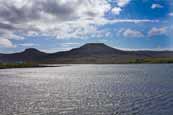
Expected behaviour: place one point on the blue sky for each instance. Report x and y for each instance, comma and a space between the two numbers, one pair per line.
64, 24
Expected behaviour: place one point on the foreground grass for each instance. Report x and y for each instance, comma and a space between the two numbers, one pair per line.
14, 65
133, 61
152, 60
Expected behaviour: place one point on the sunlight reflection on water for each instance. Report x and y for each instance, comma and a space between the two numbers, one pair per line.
87, 90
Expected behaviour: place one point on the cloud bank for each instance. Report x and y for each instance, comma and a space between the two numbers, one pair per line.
58, 18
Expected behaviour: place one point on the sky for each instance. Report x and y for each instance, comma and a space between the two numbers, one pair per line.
59, 25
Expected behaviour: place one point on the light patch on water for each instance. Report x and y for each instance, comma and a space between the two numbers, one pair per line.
87, 90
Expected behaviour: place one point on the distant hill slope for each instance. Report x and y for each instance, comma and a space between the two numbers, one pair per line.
89, 53
29, 55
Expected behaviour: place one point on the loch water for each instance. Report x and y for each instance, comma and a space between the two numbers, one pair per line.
136, 89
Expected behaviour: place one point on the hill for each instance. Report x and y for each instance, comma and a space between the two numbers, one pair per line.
29, 55
92, 53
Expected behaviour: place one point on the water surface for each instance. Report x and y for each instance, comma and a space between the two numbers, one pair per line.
88, 90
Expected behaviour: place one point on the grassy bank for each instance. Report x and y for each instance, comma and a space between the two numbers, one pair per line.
152, 60
133, 61
15, 65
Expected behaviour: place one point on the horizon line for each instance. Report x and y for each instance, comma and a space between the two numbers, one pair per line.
122, 49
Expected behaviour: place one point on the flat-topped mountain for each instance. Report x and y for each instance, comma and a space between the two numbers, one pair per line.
88, 53
96, 48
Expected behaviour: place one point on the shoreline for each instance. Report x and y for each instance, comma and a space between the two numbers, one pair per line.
61, 65
13, 66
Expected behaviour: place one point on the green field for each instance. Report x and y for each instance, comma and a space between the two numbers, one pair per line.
152, 60
16, 65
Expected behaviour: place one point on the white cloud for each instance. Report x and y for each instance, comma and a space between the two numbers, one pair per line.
171, 14
9, 35
28, 44
136, 21
116, 10
70, 44
54, 50
157, 31
129, 33
58, 18
122, 3
6, 43
154, 6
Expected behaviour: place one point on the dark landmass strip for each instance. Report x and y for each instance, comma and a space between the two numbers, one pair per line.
23, 65
15, 65
92, 53
152, 60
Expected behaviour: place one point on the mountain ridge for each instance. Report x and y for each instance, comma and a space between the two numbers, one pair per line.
88, 53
